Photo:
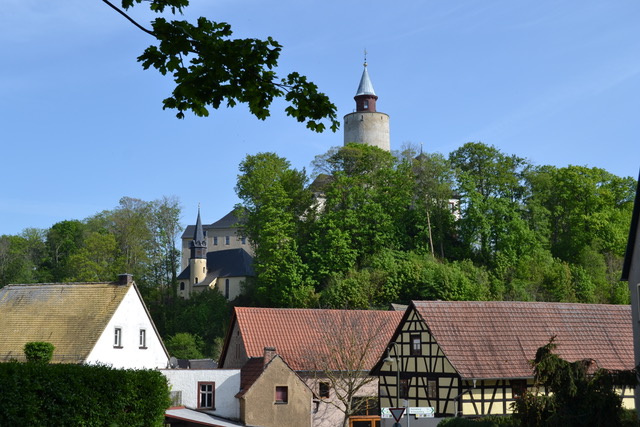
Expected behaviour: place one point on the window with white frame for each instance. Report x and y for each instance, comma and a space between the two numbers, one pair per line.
227, 240
215, 240
206, 395
117, 337
143, 338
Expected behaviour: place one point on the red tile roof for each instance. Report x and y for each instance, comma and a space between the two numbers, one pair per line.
249, 373
305, 337
496, 339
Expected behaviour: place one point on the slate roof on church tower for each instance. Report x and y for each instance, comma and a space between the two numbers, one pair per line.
225, 263
230, 220
198, 235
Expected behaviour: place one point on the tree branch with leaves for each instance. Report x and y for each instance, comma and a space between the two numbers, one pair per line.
210, 68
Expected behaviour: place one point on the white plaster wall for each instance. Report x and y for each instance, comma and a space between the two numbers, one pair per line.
131, 316
330, 412
227, 385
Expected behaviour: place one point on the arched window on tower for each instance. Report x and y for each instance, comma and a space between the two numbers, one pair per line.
366, 104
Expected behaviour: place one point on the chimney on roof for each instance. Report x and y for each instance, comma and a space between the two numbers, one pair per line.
125, 279
269, 354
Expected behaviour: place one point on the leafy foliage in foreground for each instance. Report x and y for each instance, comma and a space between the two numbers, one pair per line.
36, 394
210, 68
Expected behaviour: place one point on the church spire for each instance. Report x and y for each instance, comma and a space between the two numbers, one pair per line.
199, 243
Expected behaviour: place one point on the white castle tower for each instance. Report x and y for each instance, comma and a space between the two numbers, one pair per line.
366, 125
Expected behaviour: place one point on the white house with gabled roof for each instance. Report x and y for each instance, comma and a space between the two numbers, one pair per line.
106, 323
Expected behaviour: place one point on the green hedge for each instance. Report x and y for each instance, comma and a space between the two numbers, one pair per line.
77, 395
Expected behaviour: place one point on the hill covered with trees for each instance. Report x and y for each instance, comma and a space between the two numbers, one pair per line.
371, 228
375, 228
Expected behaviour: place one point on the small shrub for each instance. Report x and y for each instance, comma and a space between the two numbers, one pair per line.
39, 351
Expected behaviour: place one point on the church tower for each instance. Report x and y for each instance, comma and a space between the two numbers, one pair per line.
366, 125
198, 256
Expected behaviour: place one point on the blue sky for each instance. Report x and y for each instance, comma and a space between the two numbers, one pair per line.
82, 125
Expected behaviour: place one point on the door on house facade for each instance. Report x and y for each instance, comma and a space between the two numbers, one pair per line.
368, 414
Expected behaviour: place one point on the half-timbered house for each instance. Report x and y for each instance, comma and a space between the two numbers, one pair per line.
472, 358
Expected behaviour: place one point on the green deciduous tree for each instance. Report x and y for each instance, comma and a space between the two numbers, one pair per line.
492, 189
275, 202
184, 345
586, 213
211, 68
97, 260
204, 315
431, 221
17, 261
164, 257
363, 209
63, 240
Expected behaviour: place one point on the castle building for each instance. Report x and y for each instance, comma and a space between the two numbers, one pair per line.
366, 125
215, 256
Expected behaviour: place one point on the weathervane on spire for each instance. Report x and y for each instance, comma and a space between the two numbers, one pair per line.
365, 57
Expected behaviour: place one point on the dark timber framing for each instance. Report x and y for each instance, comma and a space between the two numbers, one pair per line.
433, 381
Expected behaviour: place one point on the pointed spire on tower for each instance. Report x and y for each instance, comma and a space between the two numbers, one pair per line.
199, 243
365, 96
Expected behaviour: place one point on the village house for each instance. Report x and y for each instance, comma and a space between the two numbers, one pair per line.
332, 351
105, 323
631, 274
203, 397
462, 358
265, 392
